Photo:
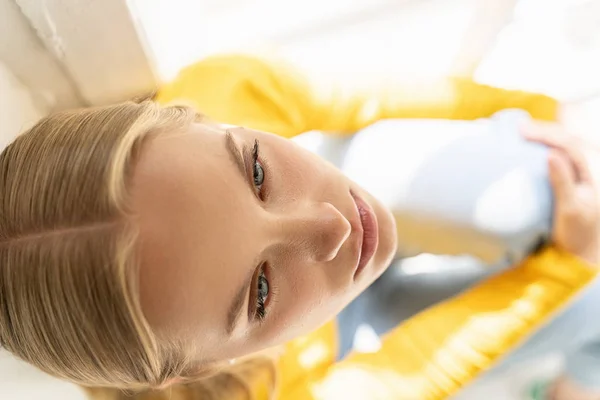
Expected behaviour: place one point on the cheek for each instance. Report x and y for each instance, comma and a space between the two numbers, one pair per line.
305, 300
300, 173
295, 170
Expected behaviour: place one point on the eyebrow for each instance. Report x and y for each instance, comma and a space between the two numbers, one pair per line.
235, 309
236, 154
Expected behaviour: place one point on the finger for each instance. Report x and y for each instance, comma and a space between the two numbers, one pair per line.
550, 134
553, 136
581, 165
562, 176
541, 128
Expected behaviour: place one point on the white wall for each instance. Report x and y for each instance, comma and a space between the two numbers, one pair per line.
96, 43
17, 108
24, 53
20, 381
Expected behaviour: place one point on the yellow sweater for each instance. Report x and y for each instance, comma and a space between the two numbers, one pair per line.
272, 97
436, 353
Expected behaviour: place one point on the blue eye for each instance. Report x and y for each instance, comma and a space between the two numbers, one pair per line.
262, 294
259, 175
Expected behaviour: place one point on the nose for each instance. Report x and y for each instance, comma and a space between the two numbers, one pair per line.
315, 232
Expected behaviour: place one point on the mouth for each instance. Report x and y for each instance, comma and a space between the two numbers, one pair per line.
369, 233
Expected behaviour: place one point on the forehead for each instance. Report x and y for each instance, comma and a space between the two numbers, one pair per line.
191, 206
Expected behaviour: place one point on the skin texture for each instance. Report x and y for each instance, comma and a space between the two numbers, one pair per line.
206, 228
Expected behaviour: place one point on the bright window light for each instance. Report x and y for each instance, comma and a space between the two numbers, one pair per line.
354, 37
552, 46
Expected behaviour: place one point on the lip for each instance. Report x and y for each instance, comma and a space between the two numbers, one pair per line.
369, 235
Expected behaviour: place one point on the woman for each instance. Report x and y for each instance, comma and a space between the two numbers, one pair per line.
142, 248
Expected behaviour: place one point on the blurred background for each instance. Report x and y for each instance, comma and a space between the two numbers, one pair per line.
56, 54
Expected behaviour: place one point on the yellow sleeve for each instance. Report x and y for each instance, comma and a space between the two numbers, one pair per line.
438, 352
271, 96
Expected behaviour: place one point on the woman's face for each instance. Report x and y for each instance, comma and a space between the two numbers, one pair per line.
247, 240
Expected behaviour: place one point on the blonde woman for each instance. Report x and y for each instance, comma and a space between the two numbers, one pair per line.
142, 248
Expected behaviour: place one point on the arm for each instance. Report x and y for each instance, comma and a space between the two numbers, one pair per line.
448, 98
269, 96
438, 352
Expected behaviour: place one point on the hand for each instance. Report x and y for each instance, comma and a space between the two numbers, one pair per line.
567, 389
577, 207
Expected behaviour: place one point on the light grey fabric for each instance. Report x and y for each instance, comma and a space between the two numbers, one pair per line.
458, 187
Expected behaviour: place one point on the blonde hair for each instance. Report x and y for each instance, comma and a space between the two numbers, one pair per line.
69, 300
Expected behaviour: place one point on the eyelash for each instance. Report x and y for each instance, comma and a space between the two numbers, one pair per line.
257, 165
261, 309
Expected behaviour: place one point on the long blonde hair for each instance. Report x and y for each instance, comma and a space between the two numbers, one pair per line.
69, 300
